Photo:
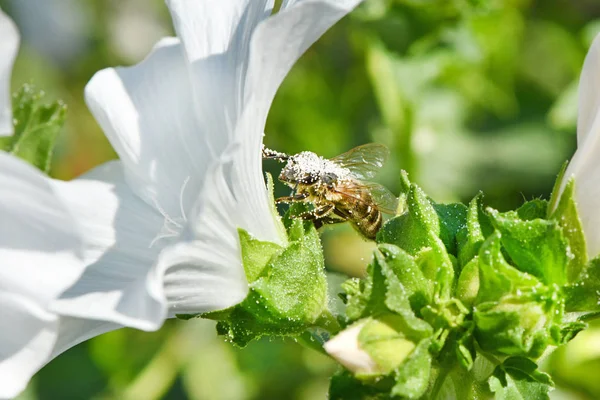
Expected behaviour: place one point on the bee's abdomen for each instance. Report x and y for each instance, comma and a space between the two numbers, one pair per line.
369, 223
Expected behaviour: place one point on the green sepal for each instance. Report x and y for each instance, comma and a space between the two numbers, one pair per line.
568, 218
413, 375
473, 233
467, 286
256, 254
382, 292
418, 232
344, 386
36, 127
453, 218
401, 267
554, 197
289, 291
387, 346
518, 378
496, 277
413, 230
536, 246
533, 209
521, 324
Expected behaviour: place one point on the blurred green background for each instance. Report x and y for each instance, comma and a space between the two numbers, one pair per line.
468, 94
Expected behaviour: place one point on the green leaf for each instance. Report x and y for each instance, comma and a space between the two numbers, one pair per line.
518, 378
36, 128
535, 246
584, 294
568, 219
412, 377
288, 294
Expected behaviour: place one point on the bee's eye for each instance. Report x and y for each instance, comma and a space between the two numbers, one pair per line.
309, 179
329, 178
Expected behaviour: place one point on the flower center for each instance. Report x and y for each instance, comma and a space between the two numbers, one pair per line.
172, 225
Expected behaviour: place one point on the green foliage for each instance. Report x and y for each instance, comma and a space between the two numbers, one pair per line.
462, 284
518, 378
36, 127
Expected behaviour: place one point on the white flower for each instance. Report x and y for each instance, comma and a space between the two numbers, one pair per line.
9, 44
160, 226
584, 167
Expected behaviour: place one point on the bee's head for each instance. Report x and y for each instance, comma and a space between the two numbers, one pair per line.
302, 168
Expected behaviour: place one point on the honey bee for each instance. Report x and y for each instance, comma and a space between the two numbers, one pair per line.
338, 188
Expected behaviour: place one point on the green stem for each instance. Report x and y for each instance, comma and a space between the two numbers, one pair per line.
328, 322
313, 339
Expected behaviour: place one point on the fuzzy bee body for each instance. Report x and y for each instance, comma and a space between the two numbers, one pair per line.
336, 187
351, 202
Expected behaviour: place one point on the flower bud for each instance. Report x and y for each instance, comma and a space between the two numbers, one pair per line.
370, 348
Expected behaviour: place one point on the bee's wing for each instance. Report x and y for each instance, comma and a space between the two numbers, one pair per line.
363, 161
385, 200
382, 197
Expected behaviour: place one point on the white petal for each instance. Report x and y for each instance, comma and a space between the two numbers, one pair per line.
201, 277
9, 45
276, 45
119, 249
147, 112
40, 244
27, 337
72, 331
216, 36
206, 273
589, 93
31, 337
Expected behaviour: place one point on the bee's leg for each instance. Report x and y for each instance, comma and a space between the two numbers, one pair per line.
319, 215
291, 199
342, 213
327, 221
275, 155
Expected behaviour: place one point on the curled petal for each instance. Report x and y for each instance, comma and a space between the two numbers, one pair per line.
216, 36
584, 166
9, 45
276, 45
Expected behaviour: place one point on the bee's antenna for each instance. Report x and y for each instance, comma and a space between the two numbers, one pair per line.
274, 155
